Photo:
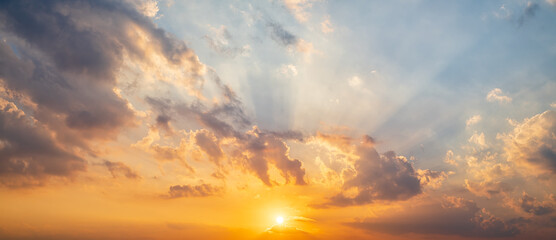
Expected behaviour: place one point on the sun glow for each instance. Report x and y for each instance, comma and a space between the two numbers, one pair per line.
279, 220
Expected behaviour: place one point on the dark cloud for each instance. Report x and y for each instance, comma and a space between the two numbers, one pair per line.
265, 148
209, 144
254, 150
64, 57
528, 13
281, 35
531, 205
378, 177
202, 190
163, 122
118, 169
454, 216
27, 149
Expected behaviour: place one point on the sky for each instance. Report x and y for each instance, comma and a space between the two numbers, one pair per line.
277, 119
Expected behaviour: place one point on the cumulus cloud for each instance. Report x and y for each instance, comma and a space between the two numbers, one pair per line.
496, 95
478, 139
451, 216
377, 176
201, 190
532, 143
28, 150
264, 148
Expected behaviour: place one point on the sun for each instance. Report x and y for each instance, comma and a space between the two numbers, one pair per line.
280, 220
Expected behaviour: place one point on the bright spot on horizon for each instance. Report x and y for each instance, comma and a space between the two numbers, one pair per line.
280, 220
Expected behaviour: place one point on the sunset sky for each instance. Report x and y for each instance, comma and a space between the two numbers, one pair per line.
277, 119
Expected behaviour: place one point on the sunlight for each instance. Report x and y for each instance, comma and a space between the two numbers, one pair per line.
279, 220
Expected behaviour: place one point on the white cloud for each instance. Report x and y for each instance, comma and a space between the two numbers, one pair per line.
148, 8
496, 95
355, 81
551, 2
473, 120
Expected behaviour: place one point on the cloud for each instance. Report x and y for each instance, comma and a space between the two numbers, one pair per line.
450, 159
326, 25
451, 216
299, 8
488, 188
288, 71
377, 176
266, 147
254, 150
64, 59
473, 120
280, 35
355, 82
532, 143
495, 95
287, 39
148, 8
528, 13
210, 145
28, 150
221, 41
201, 190
164, 153
532, 205
478, 139
118, 169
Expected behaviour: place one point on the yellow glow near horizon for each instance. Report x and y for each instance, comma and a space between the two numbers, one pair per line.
280, 220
